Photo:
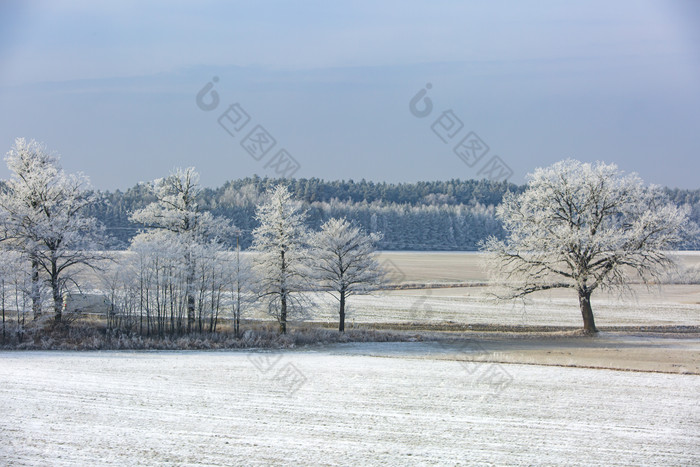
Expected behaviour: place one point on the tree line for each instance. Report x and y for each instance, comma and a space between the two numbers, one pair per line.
177, 275
454, 215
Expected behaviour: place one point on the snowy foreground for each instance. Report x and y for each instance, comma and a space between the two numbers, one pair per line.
353, 404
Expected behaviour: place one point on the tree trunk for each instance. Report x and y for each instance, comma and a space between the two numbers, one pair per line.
3, 311
283, 314
190, 311
341, 326
584, 300
237, 316
189, 294
237, 326
283, 307
36, 290
57, 300
141, 304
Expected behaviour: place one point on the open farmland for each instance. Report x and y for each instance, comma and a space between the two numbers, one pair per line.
672, 304
394, 404
451, 288
624, 397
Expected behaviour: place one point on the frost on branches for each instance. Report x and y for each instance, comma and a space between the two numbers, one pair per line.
345, 261
182, 248
281, 262
43, 219
584, 227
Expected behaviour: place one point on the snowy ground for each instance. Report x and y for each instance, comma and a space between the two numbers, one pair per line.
359, 404
617, 399
657, 305
667, 305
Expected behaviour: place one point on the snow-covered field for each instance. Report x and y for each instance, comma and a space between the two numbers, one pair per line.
389, 404
666, 305
354, 404
657, 305
660, 306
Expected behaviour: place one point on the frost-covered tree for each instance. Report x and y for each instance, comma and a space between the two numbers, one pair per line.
281, 261
43, 214
12, 267
239, 284
345, 262
584, 226
15, 287
119, 283
159, 262
177, 211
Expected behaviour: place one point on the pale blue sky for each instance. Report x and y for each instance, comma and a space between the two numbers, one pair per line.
111, 86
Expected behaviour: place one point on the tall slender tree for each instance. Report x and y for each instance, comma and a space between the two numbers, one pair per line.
239, 284
282, 253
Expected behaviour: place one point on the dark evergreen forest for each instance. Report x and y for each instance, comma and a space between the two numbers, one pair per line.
444, 215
